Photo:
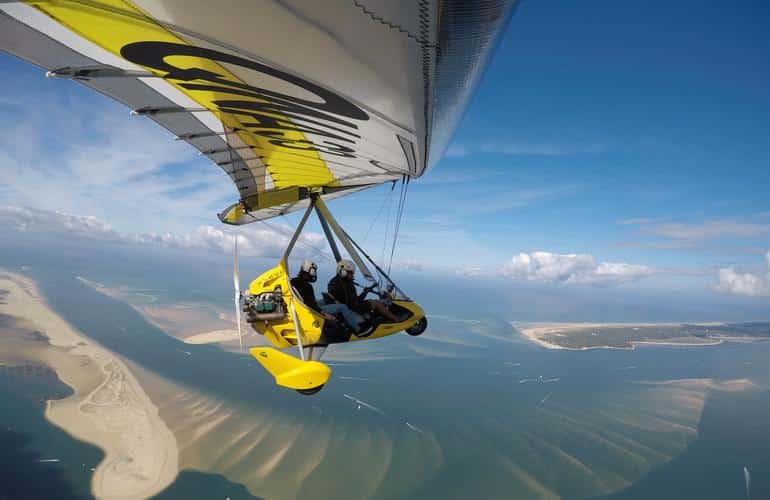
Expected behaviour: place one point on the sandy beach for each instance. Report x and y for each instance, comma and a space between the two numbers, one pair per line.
214, 336
108, 408
191, 323
535, 333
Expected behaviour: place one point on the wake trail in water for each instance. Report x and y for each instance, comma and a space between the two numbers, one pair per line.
414, 428
747, 476
364, 404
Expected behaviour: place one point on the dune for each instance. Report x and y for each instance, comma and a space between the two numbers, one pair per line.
538, 333
109, 408
534, 333
212, 337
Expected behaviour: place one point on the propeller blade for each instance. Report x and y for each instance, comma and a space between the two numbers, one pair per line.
236, 274
238, 318
237, 285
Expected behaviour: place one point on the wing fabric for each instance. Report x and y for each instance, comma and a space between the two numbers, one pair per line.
288, 98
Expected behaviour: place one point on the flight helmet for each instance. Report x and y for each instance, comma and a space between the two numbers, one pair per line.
310, 270
346, 269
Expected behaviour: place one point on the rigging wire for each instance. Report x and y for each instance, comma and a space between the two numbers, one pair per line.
387, 225
399, 217
385, 199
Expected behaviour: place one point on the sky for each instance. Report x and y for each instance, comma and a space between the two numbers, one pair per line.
609, 144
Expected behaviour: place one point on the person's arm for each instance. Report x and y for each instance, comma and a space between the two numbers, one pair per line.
365, 291
305, 292
335, 290
312, 303
357, 303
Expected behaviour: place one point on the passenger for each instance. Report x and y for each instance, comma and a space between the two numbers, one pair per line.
302, 284
354, 320
342, 288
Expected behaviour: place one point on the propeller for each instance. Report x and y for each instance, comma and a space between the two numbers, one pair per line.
237, 285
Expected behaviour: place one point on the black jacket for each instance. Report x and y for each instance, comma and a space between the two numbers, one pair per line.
333, 332
344, 291
305, 290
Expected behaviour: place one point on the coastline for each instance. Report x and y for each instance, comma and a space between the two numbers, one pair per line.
213, 337
189, 322
109, 408
533, 332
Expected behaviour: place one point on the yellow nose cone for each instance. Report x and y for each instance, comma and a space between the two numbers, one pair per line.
289, 371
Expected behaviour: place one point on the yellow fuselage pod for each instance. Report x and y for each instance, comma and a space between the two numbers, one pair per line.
385, 329
281, 332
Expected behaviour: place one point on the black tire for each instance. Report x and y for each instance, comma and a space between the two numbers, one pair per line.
418, 328
311, 391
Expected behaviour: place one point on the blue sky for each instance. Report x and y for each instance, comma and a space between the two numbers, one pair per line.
626, 132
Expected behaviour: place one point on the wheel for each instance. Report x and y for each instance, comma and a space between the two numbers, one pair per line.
311, 391
417, 328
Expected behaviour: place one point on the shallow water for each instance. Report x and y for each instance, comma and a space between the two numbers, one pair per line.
468, 409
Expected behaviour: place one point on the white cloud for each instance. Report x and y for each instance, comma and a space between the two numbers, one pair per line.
24, 219
76, 152
708, 230
716, 234
521, 149
410, 265
254, 239
571, 269
470, 271
638, 221
681, 234
750, 284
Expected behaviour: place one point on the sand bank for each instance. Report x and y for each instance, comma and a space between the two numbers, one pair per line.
213, 337
535, 333
190, 322
108, 408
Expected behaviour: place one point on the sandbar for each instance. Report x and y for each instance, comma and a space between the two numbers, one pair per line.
212, 337
537, 333
109, 408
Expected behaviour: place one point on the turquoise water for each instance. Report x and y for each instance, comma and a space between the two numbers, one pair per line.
461, 384
26, 438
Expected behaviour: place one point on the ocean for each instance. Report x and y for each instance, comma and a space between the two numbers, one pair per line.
467, 410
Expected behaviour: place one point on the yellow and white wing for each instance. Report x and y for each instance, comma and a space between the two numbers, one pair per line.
287, 97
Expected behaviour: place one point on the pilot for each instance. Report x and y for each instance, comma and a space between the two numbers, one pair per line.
342, 288
302, 284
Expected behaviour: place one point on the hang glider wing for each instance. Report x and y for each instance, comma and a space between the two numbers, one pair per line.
288, 98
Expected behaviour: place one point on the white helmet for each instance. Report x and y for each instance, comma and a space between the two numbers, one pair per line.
311, 269
345, 268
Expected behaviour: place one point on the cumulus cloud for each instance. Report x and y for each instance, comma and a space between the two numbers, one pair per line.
410, 265
522, 149
255, 240
637, 221
470, 271
83, 154
571, 269
749, 284
24, 219
708, 230
688, 235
